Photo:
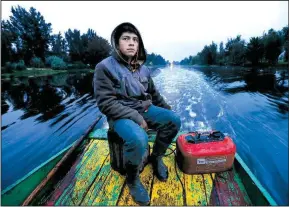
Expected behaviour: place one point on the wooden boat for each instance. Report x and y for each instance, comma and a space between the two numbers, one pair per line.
81, 175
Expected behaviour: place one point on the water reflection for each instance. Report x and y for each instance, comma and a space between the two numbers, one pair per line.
40, 117
44, 95
273, 83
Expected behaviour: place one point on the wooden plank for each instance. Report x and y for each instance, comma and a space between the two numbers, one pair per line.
214, 198
88, 172
195, 190
228, 190
98, 134
245, 200
62, 186
110, 189
259, 196
169, 193
63, 160
84, 178
146, 178
92, 182
98, 184
222, 189
208, 183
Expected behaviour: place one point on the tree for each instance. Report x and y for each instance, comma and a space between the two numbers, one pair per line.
75, 44
272, 46
255, 50
285, 42
185, 61
235, 51
78, 44
85, 39
196, 59
32, 32
208, 55
205, 56
150, 59
213, 53
286, 47
59, 45
155, 59
221, 54
7, 38
98, 49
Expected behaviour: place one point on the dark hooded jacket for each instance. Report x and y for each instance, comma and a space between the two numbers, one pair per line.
120, 92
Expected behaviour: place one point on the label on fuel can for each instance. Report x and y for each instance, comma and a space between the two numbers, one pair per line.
206, 161
208, 164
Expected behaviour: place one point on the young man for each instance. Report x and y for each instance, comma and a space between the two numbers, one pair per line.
126, 94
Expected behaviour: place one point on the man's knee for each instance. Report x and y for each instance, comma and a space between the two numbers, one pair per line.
137, 140
135, 148
175, 120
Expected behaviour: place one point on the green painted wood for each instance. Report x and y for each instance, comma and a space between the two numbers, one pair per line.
16, 193
102, 134
98, 134
63, 185
42, 197
257, 193
46, 185
66, 185
241, 186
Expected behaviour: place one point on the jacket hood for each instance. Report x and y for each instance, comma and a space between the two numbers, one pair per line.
115, 35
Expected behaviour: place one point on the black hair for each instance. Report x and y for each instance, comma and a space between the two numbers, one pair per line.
125, 28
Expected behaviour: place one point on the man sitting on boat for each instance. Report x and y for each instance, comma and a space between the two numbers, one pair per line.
126, 94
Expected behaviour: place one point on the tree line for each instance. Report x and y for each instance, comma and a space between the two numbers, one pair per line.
155, 59
266, 49
27, 41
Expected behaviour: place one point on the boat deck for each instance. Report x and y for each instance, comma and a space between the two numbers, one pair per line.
92, 181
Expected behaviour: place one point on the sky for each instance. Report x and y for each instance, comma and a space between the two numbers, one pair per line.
174, 30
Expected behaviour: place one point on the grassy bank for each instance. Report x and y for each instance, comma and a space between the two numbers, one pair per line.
37, 72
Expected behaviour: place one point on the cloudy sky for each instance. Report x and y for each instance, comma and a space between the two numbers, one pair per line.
173, 29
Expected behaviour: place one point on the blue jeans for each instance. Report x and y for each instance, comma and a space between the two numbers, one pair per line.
164, 121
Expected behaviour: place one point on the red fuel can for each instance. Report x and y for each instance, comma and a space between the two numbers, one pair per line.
205, 152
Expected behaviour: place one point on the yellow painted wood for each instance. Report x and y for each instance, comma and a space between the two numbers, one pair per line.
146, 178
110, 190
198, 189
97, 184
169, 193
88, 172
195, 190
209, 185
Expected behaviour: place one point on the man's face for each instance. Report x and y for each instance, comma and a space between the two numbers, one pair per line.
128, 44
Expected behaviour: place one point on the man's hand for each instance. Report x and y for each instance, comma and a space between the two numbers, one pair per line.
144, 125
